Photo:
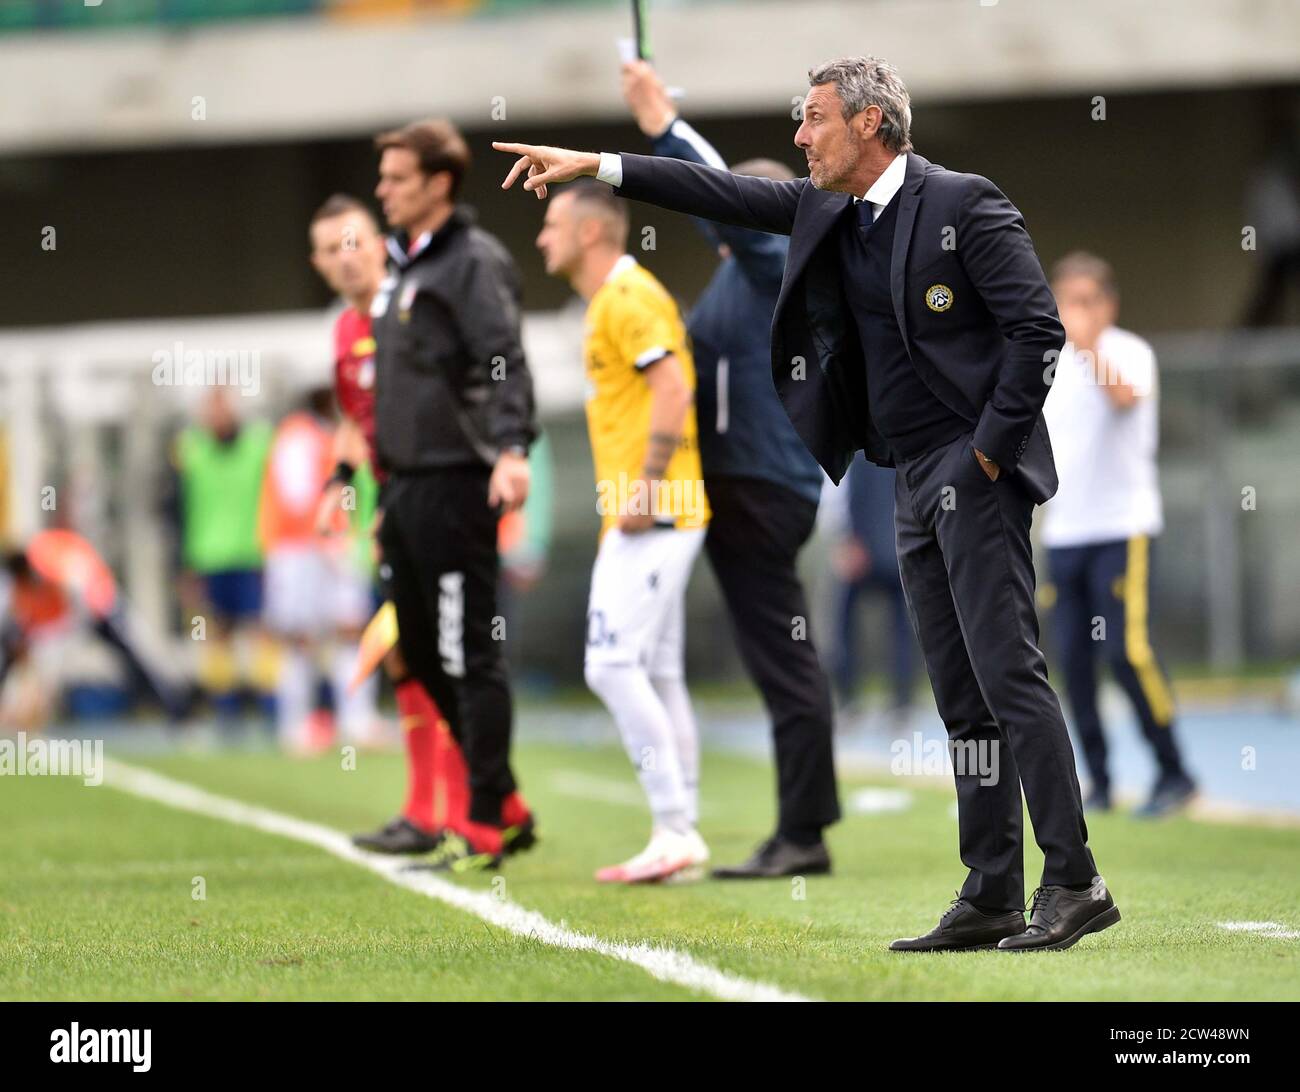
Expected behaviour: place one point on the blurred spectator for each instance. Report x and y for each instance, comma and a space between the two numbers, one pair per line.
317, 601
50, 588
1273, 209
221, 463
35, 623
1100, 527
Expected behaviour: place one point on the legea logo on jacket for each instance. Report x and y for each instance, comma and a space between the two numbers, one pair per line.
406, 300
380, 304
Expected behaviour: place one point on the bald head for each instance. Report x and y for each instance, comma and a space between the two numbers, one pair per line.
764, 168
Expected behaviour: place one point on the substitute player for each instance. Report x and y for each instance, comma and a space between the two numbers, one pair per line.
454, 418
315, 600
641, 420
1103, 417
220, 465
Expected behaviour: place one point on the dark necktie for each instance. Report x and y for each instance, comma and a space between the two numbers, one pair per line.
865, 216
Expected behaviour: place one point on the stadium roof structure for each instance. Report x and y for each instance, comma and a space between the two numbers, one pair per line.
306, 76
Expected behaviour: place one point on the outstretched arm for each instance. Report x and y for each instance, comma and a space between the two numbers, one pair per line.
692, 188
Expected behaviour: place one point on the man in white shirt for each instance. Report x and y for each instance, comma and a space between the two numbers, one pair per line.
1102, 413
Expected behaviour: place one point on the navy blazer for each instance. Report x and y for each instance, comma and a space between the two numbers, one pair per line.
971, 300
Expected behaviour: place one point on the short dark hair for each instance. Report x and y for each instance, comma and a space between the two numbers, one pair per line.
320, 401
340, 204
598, 195
17, 565
437, 145
1080, 263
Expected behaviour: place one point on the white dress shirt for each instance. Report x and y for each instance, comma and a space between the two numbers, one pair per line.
611, 168
883, 188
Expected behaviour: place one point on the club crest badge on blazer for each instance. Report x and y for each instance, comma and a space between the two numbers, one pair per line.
938, 297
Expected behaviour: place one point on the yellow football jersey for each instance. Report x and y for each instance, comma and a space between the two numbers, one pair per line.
632, 322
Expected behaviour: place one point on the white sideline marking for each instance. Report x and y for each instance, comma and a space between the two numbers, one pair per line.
665, 964
1273, 929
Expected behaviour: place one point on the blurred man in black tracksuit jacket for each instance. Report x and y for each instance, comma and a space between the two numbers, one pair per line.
763, 487
454, 419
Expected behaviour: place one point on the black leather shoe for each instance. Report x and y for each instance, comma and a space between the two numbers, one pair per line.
963, 927
400, 837
779, 857
1060, 917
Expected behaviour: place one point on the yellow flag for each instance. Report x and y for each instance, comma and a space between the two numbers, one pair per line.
380, 635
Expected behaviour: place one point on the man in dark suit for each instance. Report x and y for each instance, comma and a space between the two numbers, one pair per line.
915, 324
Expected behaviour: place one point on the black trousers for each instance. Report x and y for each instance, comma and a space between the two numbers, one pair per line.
753, 543
967, 568
439, 539
1110, 581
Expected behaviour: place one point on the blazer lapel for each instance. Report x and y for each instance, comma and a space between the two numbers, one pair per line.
805, 238
908, 200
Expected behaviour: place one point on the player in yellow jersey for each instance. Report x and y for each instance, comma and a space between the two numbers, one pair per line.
650, 493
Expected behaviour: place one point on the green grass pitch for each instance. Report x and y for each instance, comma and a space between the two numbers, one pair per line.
96, 898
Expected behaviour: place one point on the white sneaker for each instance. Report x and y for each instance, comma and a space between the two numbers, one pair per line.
699, 853
667, 853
